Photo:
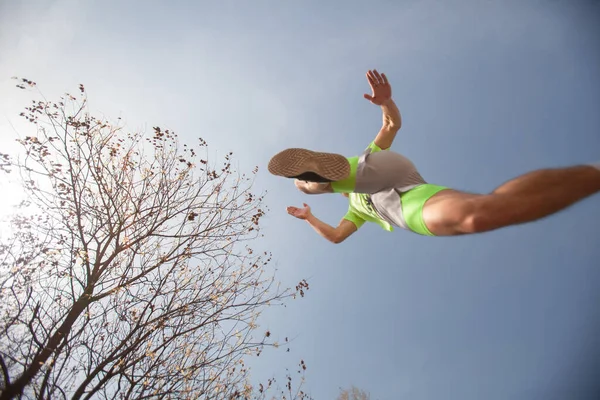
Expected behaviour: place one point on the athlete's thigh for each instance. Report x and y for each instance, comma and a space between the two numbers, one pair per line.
445, 213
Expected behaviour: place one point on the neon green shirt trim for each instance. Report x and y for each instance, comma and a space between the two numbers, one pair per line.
373, 147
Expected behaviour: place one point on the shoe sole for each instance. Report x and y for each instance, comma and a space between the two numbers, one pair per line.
292, 163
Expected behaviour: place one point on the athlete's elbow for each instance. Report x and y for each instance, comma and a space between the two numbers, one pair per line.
393, 126
337, 239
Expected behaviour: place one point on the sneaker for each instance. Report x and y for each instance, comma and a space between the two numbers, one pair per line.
311, 166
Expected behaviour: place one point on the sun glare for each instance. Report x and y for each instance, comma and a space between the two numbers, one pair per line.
10, 197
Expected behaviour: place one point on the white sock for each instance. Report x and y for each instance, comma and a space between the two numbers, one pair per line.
596, 165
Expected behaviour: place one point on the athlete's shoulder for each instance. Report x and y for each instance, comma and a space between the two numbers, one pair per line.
372, 148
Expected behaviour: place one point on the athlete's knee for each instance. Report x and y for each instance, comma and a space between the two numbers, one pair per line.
475, 223
476, 218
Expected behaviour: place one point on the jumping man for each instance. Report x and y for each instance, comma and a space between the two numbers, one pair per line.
385, 187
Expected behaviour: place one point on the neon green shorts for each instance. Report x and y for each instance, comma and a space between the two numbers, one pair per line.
412, 206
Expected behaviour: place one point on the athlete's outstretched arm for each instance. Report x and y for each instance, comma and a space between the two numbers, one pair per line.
382, 96
334, 235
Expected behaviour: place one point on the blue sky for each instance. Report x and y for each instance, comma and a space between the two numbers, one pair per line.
487, 90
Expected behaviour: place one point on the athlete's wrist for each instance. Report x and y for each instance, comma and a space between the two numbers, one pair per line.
387, 102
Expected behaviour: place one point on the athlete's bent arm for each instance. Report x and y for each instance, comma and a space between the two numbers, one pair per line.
392, 121
334, 235
382, 96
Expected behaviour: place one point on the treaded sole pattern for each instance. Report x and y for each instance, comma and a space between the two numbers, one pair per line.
290, 163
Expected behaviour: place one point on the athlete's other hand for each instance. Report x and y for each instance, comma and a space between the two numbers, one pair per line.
381, 90
300, 213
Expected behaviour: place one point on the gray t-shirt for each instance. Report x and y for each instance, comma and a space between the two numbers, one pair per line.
381, 177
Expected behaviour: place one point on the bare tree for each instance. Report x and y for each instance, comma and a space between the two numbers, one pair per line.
130, 273
353, 393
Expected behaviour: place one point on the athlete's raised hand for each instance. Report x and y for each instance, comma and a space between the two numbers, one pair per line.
381, 90
300, 213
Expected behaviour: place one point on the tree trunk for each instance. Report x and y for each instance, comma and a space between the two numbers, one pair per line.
17, 386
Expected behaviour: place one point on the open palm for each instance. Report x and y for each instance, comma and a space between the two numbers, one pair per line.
300, 213
381, 90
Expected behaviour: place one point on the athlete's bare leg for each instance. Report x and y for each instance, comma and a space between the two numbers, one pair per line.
524, 199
